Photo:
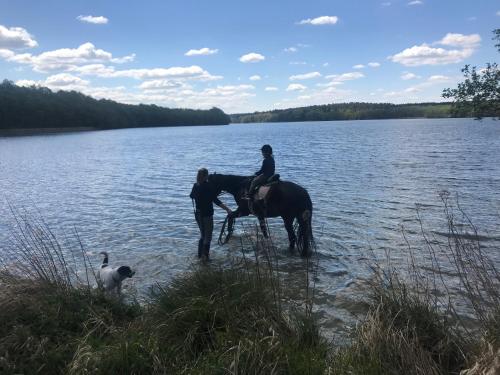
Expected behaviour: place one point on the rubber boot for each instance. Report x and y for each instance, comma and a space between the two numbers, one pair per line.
200, 247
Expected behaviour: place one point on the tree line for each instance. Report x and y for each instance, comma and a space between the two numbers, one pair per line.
348, 111
39, 107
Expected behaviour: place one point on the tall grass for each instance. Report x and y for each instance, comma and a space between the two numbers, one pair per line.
413, 325
240, 319
209, 320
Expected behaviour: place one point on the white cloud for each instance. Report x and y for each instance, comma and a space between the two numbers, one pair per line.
498, 13
408, 94
255, 77
316, 97
330, 84
295, 87
386, 4
252, 58
460, 40
415, 2
326, 64
291, 49
193, 72
67, 58
438, 79
6, 54
65, 79
189, 72
99, 20
271, 88
407, 76
201, 52
300, 77
345, 77
99, 70
16, 38
229, 97
427, 55
163, 84
370, 64
298, 63
27, 83
323, 20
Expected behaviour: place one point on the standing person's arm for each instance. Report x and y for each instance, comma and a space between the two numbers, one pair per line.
194, 193
218, 202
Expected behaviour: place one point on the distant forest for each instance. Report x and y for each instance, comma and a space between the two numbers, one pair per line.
348, 111
40, 108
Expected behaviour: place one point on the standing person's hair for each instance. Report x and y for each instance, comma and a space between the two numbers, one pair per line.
202, 175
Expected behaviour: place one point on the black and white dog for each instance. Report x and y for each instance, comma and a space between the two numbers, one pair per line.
110, 279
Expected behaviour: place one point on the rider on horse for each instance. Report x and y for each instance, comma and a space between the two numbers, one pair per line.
265, 171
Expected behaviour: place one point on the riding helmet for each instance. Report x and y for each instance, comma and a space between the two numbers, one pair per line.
267, 149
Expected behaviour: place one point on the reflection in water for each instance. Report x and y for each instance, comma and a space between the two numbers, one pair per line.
126, 191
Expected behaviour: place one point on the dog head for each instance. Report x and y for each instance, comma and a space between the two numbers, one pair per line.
125, 271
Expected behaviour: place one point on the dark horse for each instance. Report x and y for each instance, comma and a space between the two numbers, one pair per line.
285, 199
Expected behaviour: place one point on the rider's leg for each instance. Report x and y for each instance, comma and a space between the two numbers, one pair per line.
259, 180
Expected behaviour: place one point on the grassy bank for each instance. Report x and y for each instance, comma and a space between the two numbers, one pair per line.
239, 319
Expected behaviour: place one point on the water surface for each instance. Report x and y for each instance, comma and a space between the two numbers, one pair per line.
126, 191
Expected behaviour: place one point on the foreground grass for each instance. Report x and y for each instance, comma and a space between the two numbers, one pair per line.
224, 321
236, 320
209, 321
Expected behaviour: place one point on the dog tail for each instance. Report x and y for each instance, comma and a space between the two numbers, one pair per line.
105, 260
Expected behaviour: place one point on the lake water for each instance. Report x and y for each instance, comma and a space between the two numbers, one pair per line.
126, 191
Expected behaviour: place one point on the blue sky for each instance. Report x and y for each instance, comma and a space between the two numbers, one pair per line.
246, 56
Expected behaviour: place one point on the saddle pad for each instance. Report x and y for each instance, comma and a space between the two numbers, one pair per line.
262, 192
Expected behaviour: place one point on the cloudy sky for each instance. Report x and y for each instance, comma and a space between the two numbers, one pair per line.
244, 56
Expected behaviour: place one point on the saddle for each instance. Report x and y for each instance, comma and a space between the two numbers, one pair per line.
259, 199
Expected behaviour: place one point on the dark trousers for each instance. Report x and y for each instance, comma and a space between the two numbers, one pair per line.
257, 181
206, 225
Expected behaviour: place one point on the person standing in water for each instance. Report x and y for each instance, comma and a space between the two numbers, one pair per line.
265, 171
204, 197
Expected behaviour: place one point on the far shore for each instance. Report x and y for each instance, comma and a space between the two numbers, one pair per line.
39, 131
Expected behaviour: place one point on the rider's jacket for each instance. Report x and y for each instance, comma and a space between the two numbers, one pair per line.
267, 168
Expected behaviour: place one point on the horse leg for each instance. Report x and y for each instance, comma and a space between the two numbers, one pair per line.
231, 218
289, 229
263, 227
230, 222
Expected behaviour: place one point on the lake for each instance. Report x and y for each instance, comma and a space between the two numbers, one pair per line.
126, 191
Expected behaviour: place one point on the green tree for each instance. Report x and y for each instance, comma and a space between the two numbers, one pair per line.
479, 94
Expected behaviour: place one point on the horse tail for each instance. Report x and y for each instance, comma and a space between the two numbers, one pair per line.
306, 239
